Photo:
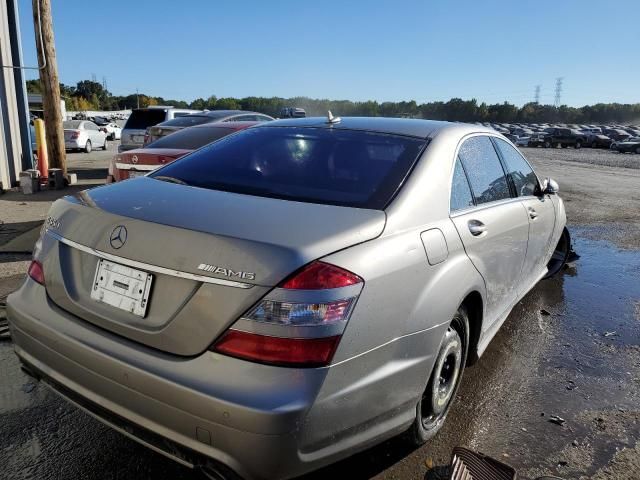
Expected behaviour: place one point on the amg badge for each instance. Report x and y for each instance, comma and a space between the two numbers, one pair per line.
227, 272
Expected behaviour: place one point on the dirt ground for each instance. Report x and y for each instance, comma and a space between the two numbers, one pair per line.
570, 348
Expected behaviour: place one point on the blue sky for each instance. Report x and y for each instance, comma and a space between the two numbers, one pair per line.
357, 50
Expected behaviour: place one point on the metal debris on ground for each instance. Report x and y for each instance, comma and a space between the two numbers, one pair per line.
4, 324
557, 420
610, 334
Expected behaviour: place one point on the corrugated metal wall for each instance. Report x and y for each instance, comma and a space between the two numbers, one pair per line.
15, 143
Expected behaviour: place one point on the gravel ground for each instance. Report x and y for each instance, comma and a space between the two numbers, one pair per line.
571, 348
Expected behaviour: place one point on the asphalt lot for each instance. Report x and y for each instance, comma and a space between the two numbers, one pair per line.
571, 348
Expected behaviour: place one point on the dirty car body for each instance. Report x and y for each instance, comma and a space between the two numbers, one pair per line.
281, 298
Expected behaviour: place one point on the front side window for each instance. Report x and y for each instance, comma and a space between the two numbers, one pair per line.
483, 167
318, 165
461, 196
518, 169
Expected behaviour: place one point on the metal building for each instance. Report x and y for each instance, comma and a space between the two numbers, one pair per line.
15, 137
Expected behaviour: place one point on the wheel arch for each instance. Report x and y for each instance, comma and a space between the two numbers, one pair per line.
473, 304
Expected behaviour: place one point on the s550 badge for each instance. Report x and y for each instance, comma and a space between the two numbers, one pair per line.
227, 272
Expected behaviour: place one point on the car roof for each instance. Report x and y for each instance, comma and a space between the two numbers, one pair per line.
397, 126
227, 125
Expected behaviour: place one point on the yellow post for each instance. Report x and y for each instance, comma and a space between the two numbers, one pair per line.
41, 148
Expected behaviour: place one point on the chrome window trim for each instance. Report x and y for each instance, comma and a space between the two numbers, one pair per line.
140, 168
147, 266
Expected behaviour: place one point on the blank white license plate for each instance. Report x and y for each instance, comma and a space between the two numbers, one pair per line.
122, 287
138, 138
133, 174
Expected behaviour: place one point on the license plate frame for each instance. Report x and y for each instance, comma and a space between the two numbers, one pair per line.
136, 173
122, 287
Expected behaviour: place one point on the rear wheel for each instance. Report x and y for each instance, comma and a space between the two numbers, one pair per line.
547, 144
560, 254
578, 144
104, 147
444, 381
87, 147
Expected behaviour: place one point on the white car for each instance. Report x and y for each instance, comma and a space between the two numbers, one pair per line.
83, 135
522, 141
114, 132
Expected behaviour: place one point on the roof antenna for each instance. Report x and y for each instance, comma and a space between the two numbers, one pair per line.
331, 119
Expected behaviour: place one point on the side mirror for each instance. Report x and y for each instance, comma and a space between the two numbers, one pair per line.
550, 186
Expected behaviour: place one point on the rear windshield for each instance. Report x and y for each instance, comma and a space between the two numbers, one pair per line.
187, 121
191, 138
318, 165
142, 119
72, 124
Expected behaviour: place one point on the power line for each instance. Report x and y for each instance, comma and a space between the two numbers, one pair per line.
558, 91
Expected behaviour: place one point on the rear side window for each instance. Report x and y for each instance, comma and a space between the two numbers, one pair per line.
318, 165
461, 196
142, 119
523, 177
484, 170
191, 138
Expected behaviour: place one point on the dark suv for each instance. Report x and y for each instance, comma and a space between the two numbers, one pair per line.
564, 137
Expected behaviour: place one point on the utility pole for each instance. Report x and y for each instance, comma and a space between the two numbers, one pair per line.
537, 95
558, 90
50, 84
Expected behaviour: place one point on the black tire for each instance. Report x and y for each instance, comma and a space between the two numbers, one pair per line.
432, 409
578, 145
104, 147
560, 254
638, 150
87, 147
546, 144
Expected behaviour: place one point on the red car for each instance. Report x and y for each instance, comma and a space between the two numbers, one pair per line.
134, 163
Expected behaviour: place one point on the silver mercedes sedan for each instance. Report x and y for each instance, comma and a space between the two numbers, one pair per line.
290, 294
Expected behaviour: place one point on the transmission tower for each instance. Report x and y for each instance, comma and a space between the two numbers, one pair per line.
558, 91
104, 82
536, 95
93, 77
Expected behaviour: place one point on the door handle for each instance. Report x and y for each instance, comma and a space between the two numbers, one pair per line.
533, 214
476, 227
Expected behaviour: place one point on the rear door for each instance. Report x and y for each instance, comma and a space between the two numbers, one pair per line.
540, 210
493, 226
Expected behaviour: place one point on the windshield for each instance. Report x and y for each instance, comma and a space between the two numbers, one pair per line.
192, 138
337, 167
144, 118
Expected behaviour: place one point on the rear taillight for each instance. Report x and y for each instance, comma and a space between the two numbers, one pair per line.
147, 140
36, 272
291, 352
300, 322
320, 275
75, 135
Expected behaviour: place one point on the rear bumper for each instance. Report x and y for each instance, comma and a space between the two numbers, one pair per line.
73, 144
261, 421
210, 406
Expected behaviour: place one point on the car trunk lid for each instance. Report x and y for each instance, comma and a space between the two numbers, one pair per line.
212, 254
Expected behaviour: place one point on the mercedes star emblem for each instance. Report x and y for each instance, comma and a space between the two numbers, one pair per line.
134, 159
118, 237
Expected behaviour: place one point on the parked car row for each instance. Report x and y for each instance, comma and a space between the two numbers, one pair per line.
615, 137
